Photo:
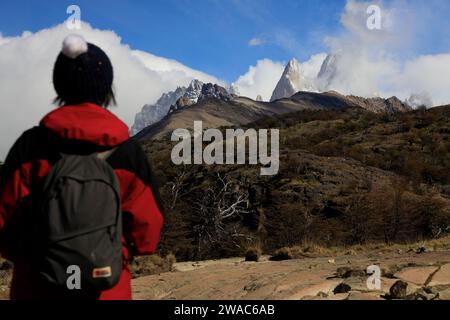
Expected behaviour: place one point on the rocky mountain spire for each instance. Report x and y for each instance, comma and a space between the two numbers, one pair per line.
290, 83
327, 72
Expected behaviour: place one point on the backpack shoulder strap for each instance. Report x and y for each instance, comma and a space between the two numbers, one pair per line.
106, 154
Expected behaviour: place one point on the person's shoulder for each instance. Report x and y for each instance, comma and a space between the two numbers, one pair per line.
27, 141
131, 145
30, 133
129, 155
24, 150
130, 149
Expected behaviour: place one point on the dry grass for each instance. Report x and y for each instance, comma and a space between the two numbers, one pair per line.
5, 278
314, 250
154, 264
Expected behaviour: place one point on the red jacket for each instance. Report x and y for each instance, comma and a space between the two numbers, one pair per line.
80, 129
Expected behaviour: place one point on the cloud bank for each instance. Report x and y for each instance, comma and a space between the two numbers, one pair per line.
260, 79
379, 62
26, 89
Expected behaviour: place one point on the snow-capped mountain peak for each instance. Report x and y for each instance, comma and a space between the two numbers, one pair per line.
190, 97
194, 90
291, 81
327, 72
152, 113
174, 100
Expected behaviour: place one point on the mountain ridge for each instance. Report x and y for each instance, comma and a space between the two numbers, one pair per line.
236, 111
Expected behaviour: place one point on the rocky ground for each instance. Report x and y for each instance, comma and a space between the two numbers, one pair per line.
405, 275
411, 275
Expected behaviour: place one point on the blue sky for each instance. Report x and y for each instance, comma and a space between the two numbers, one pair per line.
208, 35
213, 35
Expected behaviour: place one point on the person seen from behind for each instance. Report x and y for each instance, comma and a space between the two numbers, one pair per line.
77, 200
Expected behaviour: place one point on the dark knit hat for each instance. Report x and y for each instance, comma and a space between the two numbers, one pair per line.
82, 73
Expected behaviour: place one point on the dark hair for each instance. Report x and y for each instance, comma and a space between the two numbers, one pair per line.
109, 100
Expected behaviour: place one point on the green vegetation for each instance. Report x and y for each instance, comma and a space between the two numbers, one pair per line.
347, 177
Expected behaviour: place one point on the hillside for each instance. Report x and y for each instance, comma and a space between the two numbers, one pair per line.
346, 177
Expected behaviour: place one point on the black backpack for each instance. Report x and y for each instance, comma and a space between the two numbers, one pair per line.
79, 226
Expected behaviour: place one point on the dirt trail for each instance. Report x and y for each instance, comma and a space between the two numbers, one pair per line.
307, 278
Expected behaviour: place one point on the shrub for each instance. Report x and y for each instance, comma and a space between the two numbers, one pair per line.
282, 254
253, 254
154, 264
5, 265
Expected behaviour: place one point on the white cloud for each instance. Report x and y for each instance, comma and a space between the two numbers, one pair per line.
172, 70
256, 42
424, 75
3, 39
260, 79
371, 62
26, 64
311, 68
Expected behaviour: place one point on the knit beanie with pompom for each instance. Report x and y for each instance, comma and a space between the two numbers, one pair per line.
82, 72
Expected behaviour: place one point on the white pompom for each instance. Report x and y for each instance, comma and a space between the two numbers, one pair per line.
74, 45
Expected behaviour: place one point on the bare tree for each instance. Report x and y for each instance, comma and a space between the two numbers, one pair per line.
223, 202
178, 187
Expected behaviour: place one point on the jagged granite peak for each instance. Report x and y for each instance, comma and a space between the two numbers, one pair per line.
290, 83
169, 102
378, 104
327, 72
196, 93
189, 98
215, 91
152, 113
194, 90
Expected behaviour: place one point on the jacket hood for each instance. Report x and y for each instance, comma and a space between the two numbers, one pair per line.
87, 122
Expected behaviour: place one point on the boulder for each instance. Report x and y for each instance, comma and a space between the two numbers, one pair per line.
441, 277
342, 271
418, 276
401, 290
421, 294
325, 287
444, 295
342, 288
